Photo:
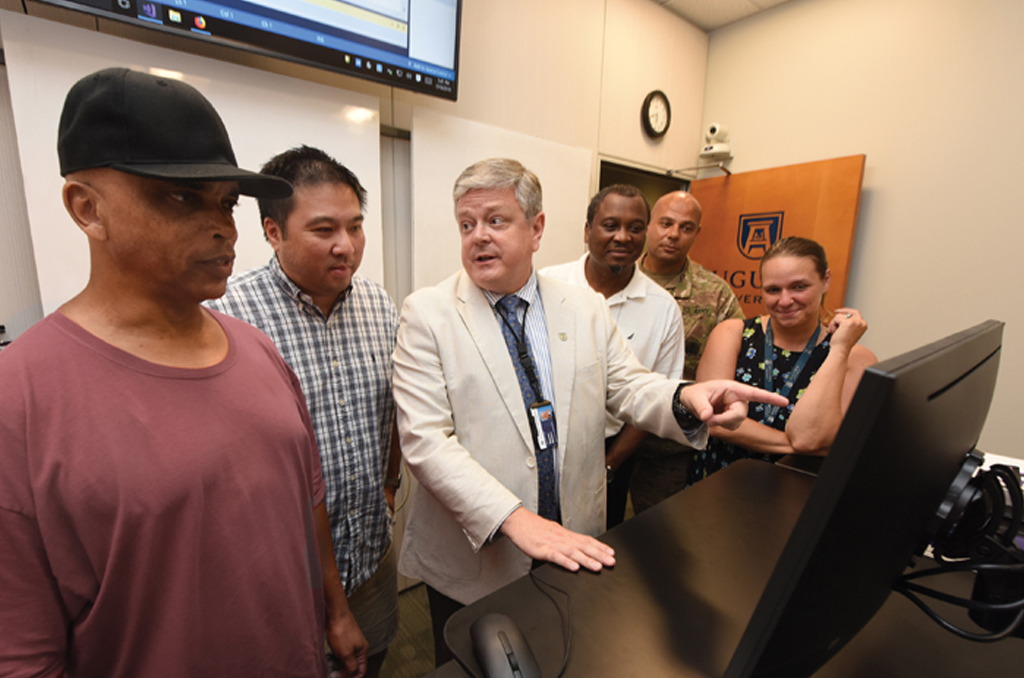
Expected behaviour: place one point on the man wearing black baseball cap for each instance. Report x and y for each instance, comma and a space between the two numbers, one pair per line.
161, 498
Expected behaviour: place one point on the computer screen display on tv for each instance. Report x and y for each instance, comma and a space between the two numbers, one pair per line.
909, 428
412, 44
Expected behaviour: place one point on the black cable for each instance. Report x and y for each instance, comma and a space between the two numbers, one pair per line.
963, 602
956, 630
408, 491
984, 530
963, 566
969, 564
1012, 483
566, 624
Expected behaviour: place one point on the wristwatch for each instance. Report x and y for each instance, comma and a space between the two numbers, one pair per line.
686, 420
395, 482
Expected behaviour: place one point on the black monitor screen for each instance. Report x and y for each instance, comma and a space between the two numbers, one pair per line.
413, 44
908, 430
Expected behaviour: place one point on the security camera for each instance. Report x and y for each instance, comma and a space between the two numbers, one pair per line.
717, 151
716, 133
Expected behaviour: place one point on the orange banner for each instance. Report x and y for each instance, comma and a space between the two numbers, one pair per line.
743, 214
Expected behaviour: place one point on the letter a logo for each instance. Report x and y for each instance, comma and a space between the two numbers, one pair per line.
758, 232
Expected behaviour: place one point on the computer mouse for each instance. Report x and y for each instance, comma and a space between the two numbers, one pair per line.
501, 648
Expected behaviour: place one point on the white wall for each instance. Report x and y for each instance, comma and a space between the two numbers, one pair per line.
530, 66
576, 72
648, 48
443, 146
932, 93
20, 306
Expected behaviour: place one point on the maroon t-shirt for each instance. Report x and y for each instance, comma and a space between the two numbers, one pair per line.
155, 521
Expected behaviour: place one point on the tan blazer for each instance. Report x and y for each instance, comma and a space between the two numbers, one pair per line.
466, 438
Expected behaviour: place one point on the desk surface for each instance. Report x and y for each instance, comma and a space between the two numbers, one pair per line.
689, 574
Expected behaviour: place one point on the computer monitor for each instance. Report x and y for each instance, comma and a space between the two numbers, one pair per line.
908, 430
412, 44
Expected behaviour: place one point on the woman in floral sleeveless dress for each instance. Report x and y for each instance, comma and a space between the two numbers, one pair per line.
816, 363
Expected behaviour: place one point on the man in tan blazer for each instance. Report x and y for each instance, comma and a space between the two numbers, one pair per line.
466, 431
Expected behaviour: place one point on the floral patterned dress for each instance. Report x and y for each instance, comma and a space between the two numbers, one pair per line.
750, 370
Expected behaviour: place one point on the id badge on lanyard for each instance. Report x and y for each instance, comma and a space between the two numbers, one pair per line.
542, 420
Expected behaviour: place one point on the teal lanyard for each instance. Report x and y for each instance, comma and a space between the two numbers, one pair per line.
769, 366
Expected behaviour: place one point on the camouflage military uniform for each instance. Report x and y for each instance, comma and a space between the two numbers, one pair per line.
705, 300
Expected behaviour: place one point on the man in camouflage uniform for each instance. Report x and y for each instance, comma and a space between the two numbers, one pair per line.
705, 300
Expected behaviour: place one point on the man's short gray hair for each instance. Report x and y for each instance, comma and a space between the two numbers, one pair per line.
502, 173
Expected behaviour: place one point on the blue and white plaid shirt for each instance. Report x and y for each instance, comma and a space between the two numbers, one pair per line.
344, 365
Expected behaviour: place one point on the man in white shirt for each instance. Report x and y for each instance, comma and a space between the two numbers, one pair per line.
646, 314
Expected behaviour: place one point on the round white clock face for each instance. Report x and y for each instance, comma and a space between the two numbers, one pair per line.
657, 114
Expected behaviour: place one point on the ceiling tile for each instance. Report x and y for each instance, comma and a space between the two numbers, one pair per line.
711, 14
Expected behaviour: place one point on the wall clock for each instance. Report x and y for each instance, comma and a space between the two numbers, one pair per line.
656, 114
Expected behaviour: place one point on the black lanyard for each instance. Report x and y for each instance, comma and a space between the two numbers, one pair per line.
524, 356
540, 413
769, 364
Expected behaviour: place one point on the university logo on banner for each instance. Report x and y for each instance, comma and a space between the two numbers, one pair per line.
758, 232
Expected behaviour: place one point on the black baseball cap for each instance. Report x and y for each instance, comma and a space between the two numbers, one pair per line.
154, 127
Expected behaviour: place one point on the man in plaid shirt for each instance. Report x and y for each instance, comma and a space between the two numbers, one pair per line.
337, 332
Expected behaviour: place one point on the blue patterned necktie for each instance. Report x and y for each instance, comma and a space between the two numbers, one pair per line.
512, 330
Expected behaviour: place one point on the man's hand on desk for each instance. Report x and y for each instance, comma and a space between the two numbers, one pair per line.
544, 539
723, 402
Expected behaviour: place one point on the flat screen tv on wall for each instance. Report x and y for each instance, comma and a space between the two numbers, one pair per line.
412, 44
